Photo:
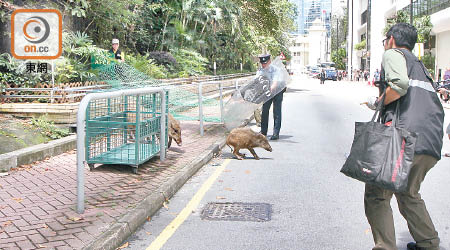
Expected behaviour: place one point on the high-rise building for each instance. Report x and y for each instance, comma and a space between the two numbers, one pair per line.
309, 11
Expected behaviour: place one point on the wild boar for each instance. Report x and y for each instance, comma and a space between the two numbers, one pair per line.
246, 138
174, 131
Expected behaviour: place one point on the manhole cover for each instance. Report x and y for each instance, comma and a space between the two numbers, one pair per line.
237, 211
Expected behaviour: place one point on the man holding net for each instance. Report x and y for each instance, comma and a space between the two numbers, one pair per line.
277, 98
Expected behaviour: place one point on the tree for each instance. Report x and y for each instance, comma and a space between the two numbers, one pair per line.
338, 57
339, 30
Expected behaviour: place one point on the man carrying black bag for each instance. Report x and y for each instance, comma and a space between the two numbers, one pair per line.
410, 85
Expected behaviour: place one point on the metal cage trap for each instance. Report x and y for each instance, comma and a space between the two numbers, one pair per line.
125, 130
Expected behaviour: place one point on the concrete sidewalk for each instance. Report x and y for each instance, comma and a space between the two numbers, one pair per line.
37, 201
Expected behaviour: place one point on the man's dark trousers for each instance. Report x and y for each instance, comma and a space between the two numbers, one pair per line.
277, 100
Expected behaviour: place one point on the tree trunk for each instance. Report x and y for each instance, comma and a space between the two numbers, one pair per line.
164, 32
203, 29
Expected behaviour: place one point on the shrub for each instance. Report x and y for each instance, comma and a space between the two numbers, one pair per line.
190, 63
146, 66
48, 128
163, 58
429, 61
361, 45
14, 71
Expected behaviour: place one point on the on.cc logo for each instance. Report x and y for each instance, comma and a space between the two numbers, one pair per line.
39, 26
36, 34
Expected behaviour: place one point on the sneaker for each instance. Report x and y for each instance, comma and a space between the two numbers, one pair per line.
413, 246
274, 137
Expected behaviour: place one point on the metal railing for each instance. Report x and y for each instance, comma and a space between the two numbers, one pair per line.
222, 92
74, 94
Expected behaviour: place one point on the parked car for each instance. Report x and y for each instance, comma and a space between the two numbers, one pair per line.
330, 74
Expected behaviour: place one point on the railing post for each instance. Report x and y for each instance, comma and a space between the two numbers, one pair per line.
162, 147
137, 131
221, 101
200, 107
53, 81
52, 93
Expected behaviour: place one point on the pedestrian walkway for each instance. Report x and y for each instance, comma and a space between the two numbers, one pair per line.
38, 201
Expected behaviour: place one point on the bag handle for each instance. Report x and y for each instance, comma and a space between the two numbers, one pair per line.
380, 106
396, 114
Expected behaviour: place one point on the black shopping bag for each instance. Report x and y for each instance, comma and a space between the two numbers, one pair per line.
381, 155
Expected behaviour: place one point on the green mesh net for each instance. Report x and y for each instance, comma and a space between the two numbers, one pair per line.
183, 99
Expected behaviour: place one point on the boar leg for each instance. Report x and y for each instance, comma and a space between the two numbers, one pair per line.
237, 154
253, 153
170, 142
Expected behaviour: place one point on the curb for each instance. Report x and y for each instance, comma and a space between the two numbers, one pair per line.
38, 152
129, 223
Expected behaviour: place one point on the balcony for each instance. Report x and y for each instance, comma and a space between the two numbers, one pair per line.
427, 7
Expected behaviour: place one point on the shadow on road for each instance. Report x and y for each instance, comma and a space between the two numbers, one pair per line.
248, 156
284, 138
289, 90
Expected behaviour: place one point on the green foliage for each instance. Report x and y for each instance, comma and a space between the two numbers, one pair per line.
228, 32
423, 25
339, 29
338, 57
361, 45
190, 63
14, 71
429, 61
77, 7
48, 128
146, 66
74, 65
401, 17
112, 19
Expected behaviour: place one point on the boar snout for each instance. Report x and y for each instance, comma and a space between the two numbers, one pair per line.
267, 147
263, 143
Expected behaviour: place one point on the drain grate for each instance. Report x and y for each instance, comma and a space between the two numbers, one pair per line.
237, 211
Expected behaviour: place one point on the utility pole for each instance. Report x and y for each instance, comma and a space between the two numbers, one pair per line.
369, 30
337, 33
351, 48
411, 12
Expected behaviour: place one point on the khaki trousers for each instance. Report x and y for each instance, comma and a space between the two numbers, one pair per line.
412, 207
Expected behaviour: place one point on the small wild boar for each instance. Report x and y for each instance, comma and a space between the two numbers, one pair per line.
246, 138
174, 131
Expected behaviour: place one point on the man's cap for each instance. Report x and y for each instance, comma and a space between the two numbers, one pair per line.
264, 58
115, 40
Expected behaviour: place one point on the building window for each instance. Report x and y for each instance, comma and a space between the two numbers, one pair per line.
364, 17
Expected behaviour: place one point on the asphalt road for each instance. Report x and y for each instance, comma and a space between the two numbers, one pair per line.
314, 206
